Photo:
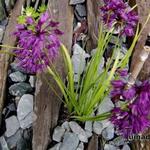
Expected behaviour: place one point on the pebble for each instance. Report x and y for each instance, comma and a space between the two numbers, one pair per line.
79, 131
108, 133
12, 125
81, 146
18, 76
118, 141
58, 134
65, 125
97, 127
81, 10
32, 80
110, 147
13, 140
78, 60
70, 141
3, 144
19, 89
1, 34
126, 147
105, 106
74, 2
88, 126
25, 112
56, 147
15, 67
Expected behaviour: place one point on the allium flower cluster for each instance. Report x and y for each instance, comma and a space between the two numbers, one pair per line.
119, 13
39, 43
133, 118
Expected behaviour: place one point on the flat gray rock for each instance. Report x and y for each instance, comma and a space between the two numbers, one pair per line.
126, 147
19, 89
13, 140
81, 10
12, 125
32, 80
81, 146
58, 134
78, 60
3, 144
18, 76
99, 126
70, 141
105, 106
118, 141
108, 133
74, 2
25, 112
1, 34
79, 131
88, 126
65, 125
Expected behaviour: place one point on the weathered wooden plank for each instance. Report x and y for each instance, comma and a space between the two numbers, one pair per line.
143, 11
93, 143
47, 104
93, 18
8, 40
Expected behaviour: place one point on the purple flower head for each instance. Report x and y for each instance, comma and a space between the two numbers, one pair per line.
39, 43
123, 72
129, 122
129, 94
134, 117
29, 20
119, 13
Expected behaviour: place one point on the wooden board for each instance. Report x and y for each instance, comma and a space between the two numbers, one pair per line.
143, 11
47, 104
93, 18
8, 40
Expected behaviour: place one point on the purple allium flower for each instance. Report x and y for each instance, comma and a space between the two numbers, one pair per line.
119, 89
119, 13
39, 43
134, 118
129, 93
130, 121
122, 72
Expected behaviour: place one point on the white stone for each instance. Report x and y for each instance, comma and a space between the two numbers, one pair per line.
58, 134
126, 147
18, 76
108, 133
110, 147
81, 146
88, 126
32, 81
78, 60
1, 34
99, 126
25, 112
65, 125
105, 106
74, 2
79, 131
70, 141
3, 144
12, 125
